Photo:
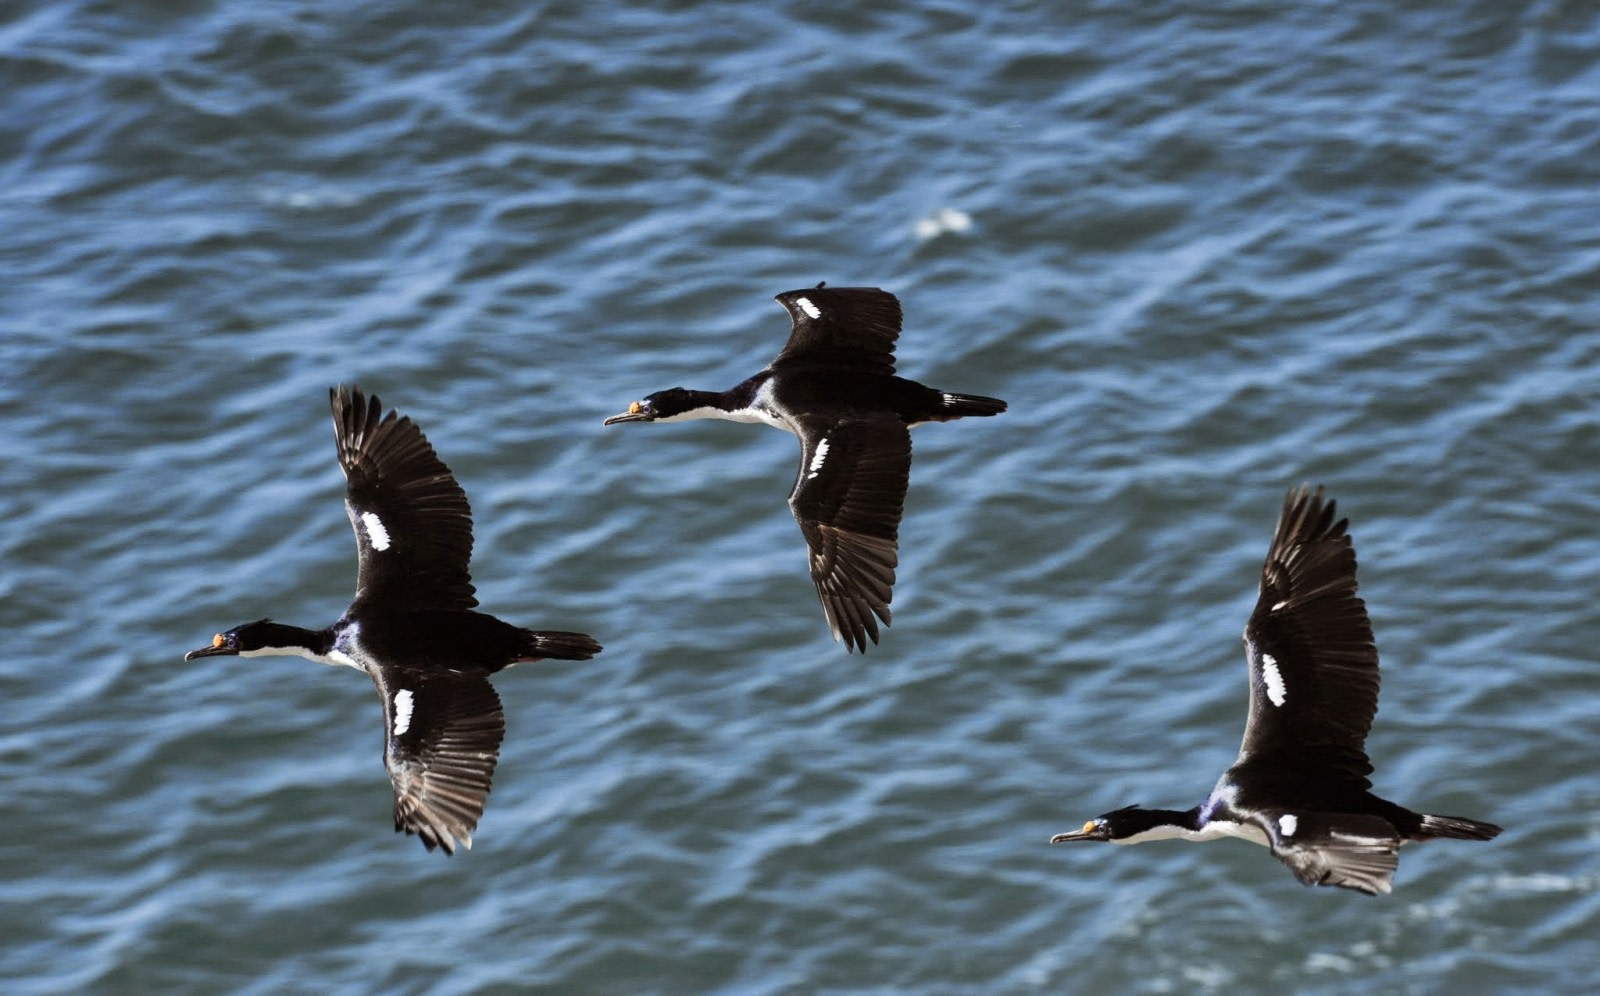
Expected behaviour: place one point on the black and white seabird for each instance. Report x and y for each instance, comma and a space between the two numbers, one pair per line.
834, 387
1300, 783
411, 627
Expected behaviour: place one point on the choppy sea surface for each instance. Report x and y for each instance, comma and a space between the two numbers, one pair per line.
1206, 252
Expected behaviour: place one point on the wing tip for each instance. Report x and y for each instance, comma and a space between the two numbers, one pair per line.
434, 830
1308, 516
853, 620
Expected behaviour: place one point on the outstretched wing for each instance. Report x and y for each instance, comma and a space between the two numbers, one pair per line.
1313, 664
852, 327
1349, 850
442, 736
412, 521
848, 498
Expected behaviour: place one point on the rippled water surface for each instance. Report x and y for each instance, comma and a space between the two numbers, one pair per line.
1204, 256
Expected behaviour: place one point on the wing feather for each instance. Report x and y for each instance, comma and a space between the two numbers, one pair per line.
1313, 663
851, 327
442, 742
412, 522
1349, 850
848, 498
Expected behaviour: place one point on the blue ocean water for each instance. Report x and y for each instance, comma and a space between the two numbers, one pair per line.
1205, 252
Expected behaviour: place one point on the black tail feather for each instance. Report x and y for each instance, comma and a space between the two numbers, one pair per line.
1456, 828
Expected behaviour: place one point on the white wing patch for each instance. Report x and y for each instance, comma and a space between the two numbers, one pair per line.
806, 306
375, 531
1288, 823
1270, 675
817, 457
403, 704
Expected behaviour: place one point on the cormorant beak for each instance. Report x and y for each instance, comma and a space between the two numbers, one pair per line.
220, 647
1093, 830
639, 411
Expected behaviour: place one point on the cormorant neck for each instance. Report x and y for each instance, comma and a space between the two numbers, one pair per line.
1135, 825
281, 639
692, 404
1144, 819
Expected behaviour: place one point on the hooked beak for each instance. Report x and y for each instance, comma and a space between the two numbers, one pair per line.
219, 648
1093, 830
639, 411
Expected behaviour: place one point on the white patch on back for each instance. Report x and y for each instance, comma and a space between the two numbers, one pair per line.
1288, 823
404, 701
1273, 679
375, 531
1276, 606
817, 457
805, 305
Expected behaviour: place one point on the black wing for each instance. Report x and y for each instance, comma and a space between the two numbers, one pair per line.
1350, 850
412, 521
854, 327
848, 498
442, 736
1313, 663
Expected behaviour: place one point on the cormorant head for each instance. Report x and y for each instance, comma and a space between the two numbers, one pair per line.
243, 639
1120, 824
672, 402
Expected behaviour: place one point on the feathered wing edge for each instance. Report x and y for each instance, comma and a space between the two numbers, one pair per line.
442, 743
424, 551
1348, 850
1312, 659
848, 498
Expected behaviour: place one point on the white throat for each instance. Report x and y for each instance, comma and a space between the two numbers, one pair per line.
335, 656
1211, 831
753, 415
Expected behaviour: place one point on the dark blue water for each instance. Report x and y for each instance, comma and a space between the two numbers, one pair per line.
1205, 254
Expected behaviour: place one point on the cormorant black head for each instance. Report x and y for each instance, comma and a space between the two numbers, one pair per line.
662, 405
247, 637
1120, 824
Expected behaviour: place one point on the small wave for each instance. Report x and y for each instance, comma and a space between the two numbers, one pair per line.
946, 220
